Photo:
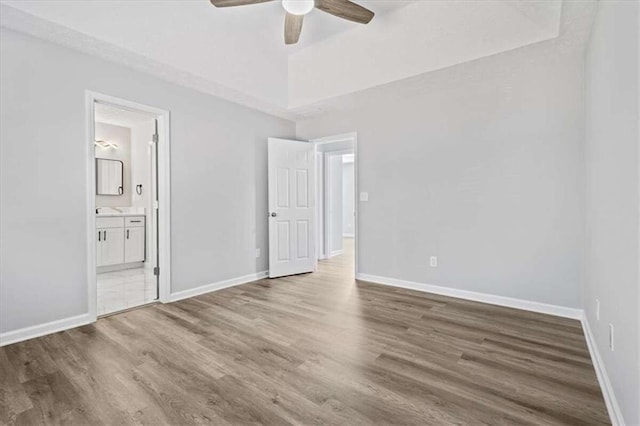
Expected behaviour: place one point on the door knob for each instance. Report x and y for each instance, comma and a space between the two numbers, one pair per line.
273, 214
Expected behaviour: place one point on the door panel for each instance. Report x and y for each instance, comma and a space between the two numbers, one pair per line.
134, 244
302, 188
291, 207
282, 190
302, 239
282, 228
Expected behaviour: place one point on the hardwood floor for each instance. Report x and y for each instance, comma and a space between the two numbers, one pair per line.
309, 349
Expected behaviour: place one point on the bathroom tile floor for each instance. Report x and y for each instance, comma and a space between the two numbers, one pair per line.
125, 289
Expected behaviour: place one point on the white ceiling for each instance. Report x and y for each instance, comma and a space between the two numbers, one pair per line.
423, 37
239, 54
238, 47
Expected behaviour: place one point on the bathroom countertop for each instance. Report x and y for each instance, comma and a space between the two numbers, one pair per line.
119, 214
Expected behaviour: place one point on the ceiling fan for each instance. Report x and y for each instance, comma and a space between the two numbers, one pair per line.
296, 9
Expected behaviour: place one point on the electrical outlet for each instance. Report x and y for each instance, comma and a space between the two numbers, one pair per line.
258, 253
611, 345
364, 196
598, 309
433, 261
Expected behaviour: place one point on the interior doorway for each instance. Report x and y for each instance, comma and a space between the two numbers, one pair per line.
337, 208
128, 187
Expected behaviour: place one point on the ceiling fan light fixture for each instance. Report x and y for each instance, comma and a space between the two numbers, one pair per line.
298, 7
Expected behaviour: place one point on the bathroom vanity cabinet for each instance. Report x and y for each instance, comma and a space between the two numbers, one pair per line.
120, 240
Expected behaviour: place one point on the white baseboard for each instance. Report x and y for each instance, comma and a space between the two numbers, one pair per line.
337, 252
348, 236
44, 329
560, 311
173, 297
615, 414
84, 319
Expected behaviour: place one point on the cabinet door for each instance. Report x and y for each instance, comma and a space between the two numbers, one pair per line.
134, 244
112, 246
99, 245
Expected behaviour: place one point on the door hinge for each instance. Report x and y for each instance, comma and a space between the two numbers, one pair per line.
155, 138
156, 270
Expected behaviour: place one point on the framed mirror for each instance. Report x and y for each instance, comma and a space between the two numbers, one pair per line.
109, 177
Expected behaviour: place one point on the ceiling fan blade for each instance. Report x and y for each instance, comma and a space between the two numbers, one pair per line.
346, 9
229, 3
292, 28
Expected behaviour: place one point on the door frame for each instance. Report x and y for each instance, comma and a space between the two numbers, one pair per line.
328, 202
164, 193
352, 137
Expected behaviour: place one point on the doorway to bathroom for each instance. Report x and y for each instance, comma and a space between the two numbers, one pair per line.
129, 198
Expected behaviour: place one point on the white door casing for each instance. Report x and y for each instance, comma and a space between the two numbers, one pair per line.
291, 173
163, 188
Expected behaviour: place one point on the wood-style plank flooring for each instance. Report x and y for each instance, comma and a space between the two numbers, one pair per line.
309, 349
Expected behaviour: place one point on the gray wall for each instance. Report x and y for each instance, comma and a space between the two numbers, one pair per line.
218, 179
122, 137
486, 173
612, 116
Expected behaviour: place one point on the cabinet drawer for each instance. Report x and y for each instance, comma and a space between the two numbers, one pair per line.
109, 222
134, 221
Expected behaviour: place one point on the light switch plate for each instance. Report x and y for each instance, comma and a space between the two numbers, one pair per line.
258, 253
364, 196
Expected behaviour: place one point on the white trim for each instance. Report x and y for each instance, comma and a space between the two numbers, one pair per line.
615, 414
319, 231
336, 138
164, 196
27, 333
207, 288
337, 252
164, 193
92, 279
34, 331
348, 235
527, 305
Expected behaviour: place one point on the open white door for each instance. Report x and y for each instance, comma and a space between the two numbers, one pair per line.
292, 197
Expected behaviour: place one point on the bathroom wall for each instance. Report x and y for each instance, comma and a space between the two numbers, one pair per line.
141, 135
122, 137
142, 173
